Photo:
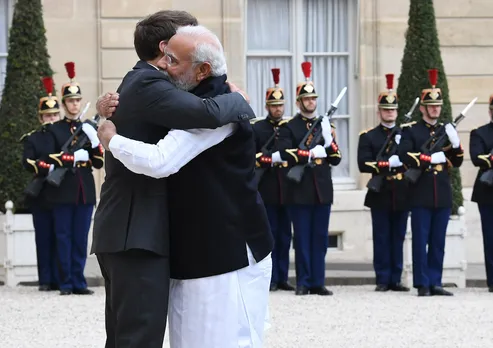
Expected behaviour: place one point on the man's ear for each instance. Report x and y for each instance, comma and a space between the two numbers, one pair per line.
204, 71
162, 46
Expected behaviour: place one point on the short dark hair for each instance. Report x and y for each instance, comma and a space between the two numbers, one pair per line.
157, 27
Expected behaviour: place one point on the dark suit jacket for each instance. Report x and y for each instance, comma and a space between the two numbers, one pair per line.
133, 208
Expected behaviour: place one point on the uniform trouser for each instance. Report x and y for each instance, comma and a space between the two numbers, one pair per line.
389, 231
136, 283
72, 223
44, 230
311, 240
486, 212
280, 225
429, 228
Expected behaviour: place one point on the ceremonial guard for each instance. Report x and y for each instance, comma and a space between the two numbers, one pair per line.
75, 198
310, 196
38, 145
481, 151
387, 195
431, 193
272, 182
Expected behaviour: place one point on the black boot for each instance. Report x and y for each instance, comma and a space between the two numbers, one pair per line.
83, 291
321, 290
399, 287
424, 291
301, 290
285, 286
439, 291
382, 288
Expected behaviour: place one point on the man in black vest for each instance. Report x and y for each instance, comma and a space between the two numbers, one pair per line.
389, 202
272, 184
131, 237
481, 151
220, 241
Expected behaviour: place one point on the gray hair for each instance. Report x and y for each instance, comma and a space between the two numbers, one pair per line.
209, 50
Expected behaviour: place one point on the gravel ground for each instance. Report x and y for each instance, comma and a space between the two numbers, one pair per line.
354, 317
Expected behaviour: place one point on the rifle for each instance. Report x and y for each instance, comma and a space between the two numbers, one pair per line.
266, 150
435, 143
376, 181
76, 142
296, 173
487, 176
34, 187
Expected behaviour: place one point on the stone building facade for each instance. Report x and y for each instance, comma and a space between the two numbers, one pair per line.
98, 36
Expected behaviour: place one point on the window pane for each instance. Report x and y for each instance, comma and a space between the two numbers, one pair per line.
259, 78
330, 76
4, 31
268, 25
4, 25
326, 23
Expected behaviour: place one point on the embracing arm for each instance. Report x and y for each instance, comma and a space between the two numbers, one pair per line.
173, 108
170, 154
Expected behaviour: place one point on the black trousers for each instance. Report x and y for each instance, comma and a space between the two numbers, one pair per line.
137, 290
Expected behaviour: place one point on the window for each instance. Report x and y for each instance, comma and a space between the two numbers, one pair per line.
6, 10
284, 33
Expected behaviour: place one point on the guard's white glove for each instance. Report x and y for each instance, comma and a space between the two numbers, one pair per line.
81, 156
397, 139
452, 135
91, 133
276, 157
52, 167
318, 152
327, 131
394, 161
438, 157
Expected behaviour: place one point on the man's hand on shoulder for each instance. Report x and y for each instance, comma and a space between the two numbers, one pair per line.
234, 88
107, 103
106, 131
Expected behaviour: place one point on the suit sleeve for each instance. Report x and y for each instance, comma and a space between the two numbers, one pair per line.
366, 162
480, 155
409, 153
30, 161
170, 107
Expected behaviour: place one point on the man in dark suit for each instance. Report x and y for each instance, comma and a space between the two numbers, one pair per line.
220, 240
131, 222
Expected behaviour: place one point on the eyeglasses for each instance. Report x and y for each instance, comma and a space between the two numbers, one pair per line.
172, 61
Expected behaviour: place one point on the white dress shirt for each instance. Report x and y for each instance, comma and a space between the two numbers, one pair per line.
171, 153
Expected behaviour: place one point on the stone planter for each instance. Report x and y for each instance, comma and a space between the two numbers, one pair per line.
17, 248
454, 263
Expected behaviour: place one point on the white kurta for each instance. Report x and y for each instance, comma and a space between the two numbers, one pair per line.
224, 311
171, 153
